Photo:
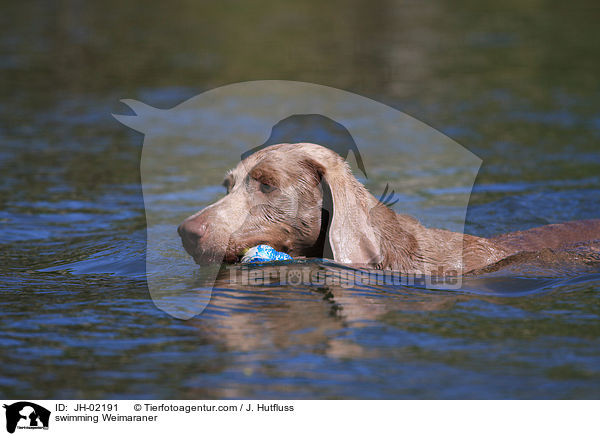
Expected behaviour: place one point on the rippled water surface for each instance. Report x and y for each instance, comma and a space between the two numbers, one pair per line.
516, 84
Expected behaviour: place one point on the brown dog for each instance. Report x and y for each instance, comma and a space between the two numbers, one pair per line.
302, 199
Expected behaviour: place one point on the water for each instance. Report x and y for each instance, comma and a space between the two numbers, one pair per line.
515, 83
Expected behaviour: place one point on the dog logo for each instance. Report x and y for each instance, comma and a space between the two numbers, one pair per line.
26, 415
222, 124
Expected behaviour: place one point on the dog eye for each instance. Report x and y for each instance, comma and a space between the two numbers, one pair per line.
265, 189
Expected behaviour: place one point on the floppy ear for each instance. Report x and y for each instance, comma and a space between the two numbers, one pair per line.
351, 236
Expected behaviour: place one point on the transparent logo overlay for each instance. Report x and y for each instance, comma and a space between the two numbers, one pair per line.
188, 150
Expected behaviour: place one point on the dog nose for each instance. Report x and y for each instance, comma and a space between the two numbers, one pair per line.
192, 229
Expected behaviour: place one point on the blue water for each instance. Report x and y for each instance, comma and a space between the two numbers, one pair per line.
515, 85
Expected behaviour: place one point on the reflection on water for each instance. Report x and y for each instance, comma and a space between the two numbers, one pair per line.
515, 82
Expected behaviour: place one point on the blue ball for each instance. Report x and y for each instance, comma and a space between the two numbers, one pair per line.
264, 253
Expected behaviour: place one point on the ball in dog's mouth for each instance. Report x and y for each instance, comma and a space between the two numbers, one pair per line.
264, 253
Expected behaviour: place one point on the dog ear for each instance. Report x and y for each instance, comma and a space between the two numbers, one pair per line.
350, 235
